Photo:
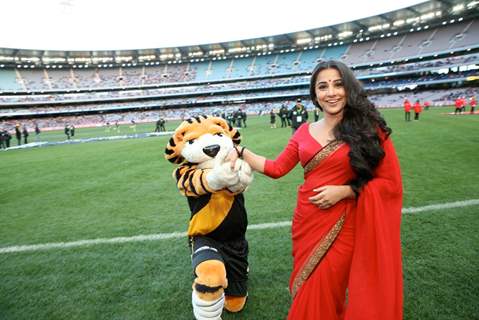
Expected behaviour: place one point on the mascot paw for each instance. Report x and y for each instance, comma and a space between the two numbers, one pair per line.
245, 173
245, 176
221, 176
235, 304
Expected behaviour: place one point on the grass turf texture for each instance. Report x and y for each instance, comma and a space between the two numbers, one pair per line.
124, 188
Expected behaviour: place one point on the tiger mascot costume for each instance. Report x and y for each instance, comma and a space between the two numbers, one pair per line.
218, 220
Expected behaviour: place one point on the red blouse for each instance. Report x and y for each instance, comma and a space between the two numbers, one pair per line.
301, 148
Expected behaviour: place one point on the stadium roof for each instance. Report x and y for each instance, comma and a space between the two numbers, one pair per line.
120, 25
429, 13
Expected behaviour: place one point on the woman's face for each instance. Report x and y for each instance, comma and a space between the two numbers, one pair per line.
330, 92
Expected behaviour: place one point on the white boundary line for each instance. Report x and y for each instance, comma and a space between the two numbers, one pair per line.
442, 206
175, 235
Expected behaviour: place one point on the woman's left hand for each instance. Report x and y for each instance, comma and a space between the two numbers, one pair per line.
232, 157
328, 196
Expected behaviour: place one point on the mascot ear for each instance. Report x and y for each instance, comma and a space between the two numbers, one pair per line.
229, 130
174, 146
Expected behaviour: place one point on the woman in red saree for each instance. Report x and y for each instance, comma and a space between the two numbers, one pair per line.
346, 224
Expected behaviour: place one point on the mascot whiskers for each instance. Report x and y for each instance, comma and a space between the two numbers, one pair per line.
218, 220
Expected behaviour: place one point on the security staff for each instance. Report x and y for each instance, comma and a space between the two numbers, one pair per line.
298, 115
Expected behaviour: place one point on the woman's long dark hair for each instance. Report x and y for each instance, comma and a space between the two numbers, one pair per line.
360, 125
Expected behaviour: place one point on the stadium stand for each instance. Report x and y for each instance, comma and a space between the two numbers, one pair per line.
437, 61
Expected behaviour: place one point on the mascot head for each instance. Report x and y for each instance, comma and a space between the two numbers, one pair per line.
200, 140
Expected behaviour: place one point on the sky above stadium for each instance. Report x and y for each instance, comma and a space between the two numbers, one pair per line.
142, 24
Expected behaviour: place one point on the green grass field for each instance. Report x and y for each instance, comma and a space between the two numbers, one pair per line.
124, 188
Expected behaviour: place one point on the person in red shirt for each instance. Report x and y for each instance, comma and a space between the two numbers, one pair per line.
417, 110
407, 110
346, 225
473, 104
426, 105
458, 105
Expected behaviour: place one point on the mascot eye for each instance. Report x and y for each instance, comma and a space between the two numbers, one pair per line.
219, 134
191, 141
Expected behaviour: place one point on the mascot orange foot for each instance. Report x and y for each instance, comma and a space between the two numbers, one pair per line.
234, 304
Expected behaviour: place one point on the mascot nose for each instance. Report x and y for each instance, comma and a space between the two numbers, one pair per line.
212, 150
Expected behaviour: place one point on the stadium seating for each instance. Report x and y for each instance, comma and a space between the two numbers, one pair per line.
255, 83
424, 43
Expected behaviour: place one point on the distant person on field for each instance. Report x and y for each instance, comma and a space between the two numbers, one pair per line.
37, 132
162, 124
426, 105
272, 120
458, 105
25, 134
463, 102
133, 125
283, 114
473, 104
407, 110
230, 119
8, 138
3, 139
72, 130
317, 112
298, 115
417, 109
238, 118
18, 134
67, 131
244, 116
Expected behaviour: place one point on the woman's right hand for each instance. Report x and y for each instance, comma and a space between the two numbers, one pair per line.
255, 161
232, 157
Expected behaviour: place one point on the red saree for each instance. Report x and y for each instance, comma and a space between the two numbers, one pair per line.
353, 245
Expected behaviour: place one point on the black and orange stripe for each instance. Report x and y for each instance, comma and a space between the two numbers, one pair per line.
218, 214
191, 181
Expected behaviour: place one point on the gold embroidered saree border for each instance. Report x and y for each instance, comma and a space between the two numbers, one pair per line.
322, 154
317, 254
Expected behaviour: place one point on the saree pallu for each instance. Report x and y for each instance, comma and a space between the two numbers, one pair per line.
353, 246
376, 284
